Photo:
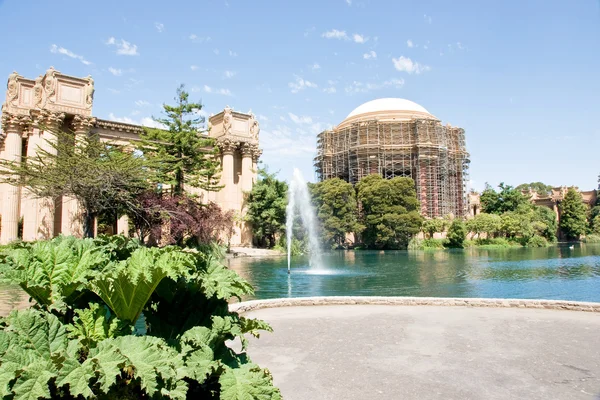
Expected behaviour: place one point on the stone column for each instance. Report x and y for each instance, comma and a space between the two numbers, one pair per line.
12, 125
123, 225
247, 171
29, 203
71, 222
227, 180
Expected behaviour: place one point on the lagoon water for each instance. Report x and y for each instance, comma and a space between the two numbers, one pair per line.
556, 272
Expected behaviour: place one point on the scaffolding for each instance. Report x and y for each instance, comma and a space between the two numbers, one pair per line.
433, 155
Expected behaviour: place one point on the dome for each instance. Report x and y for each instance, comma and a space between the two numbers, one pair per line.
387, 109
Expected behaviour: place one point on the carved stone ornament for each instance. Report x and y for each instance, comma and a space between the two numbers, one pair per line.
228, 146
83, 124
227, 120
50, 84
256, 154
89, 92
14, 122
48, 120
12, 88
246, 149
254, 129
38, 92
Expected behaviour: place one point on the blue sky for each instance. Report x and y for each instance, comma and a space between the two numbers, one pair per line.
521, 77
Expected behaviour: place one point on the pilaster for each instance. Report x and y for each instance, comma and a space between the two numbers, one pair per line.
13, 127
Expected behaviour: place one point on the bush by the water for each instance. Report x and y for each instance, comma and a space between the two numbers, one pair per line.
427, 244
591, 238
82, 337
491, 243
537, 241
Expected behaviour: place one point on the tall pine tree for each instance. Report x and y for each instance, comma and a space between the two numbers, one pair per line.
182, 154
573, 221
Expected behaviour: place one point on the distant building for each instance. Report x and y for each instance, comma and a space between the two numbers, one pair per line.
59, 102
397, 137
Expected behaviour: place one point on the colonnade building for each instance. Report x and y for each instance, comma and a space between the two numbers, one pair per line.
34, 108
397, 137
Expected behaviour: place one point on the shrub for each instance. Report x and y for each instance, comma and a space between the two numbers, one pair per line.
77, 340
426, 244
456, 234
592, 238
537, 241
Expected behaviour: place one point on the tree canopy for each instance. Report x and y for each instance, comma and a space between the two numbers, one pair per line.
181, 153
266, 208
389, 211
539, 187
506, 199
573, 219
336, 208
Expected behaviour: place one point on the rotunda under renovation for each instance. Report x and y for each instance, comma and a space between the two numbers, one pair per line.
397, 137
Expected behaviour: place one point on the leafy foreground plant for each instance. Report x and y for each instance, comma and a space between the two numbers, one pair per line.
78, 340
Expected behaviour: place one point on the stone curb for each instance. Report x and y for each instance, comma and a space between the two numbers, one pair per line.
252, 305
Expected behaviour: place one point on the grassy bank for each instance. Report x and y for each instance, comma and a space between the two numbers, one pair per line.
494, 243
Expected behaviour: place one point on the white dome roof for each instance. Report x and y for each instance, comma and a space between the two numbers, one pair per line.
387, 105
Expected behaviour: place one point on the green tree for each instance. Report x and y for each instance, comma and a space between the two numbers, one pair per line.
545, 223
573, 222
539, 187
507, 199
336, 207
432, 225
181, 153
457, 233
489, 224
101, 176
389, 211
516, 225
266, 208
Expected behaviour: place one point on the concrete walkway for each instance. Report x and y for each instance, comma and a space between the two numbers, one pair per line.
430, 352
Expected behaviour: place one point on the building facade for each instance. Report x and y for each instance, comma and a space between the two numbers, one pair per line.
397, 137
34, 108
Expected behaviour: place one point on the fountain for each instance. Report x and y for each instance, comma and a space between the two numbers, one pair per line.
298, 196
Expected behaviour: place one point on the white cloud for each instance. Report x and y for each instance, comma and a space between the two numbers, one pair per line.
216, 51
330, 90
369, 55
146, 121
460, 46
199, 39
359, 38
427, 18
115, 71
300, 119
232, 53
309, 31
208, 89
124, 47
229, 74
315, 67
114, 91
262, 117
300, 84
194, 67
335, 34
142, 103
159, 27
349, 2
61, 50
409, 43
283, 142
405, 64
361, 87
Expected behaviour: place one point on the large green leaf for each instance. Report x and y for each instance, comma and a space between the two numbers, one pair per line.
223, 283
129, 286
32, 383
94, 324
76, 376
248, 382
51, 271
41, 333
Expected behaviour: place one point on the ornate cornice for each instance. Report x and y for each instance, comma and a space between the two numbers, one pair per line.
118, 126
47, 119
256, 154
247, 149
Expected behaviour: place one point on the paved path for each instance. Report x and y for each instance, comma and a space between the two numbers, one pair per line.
430, 352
